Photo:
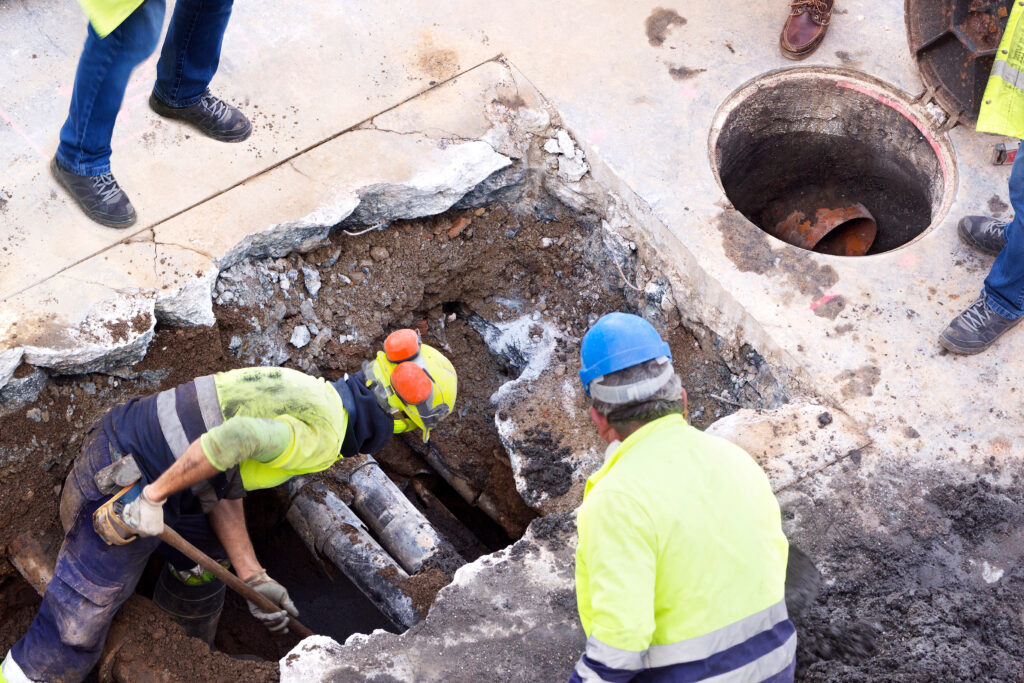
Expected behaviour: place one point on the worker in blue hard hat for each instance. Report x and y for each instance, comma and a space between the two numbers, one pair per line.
681, 561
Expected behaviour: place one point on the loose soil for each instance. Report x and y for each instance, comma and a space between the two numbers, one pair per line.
935, 594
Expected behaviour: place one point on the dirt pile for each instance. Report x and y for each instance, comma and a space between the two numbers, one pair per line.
935, 595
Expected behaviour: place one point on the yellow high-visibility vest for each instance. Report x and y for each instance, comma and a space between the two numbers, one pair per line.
1002, 109
106, 15
681, 556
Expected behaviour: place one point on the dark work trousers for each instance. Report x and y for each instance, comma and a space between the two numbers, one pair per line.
91, 579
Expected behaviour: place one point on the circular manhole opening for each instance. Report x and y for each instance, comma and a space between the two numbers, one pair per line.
831, 161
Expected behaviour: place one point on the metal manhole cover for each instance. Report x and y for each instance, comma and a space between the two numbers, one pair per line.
955, 43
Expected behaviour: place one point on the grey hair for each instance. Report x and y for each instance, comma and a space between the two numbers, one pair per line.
627, 418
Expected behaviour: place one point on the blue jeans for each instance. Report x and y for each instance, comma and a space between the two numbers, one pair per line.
91, 579
1004, 286
187, 63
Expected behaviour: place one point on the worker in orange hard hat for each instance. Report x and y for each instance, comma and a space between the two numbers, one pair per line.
413, 381
195, 450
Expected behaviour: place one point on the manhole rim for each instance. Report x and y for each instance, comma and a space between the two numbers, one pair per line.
887, 95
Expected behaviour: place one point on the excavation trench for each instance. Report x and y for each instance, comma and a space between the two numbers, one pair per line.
504, 291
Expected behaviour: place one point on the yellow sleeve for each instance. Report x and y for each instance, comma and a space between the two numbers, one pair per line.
244, 438
618, 547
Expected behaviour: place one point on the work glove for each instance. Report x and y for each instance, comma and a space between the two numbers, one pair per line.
276, 622
143, 516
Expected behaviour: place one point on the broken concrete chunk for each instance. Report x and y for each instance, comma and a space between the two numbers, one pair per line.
432, 190
308, 311
565, 143
791, 441
190, 304
551, 146
572, 168
302, 234
300, 336
311, 277
9, 362
114, 333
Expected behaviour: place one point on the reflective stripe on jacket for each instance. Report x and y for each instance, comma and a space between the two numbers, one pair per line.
1002, 108
681, 563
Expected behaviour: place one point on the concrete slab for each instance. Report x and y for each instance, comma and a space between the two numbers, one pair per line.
354, 63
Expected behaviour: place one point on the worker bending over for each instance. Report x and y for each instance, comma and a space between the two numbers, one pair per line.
199, 447
681, 562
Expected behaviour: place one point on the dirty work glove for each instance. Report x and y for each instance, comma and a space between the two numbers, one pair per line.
276, 622
143, 516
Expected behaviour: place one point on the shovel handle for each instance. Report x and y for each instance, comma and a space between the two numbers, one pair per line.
174, 539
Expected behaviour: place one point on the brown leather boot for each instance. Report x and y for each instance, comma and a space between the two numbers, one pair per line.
805, 28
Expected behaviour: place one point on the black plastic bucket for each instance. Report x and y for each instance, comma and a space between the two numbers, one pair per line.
196, 607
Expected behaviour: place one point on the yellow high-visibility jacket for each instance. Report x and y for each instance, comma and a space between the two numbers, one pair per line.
106, 15
681, 563
1002, 109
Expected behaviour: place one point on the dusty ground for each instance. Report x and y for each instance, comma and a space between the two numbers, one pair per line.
931, 590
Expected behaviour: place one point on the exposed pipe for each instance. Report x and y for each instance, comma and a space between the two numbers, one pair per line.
401, 528
482, 500
452, 525
328, 527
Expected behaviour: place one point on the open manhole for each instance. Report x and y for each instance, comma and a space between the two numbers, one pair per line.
808, 155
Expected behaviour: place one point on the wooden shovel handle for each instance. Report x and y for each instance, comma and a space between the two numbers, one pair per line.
174, 539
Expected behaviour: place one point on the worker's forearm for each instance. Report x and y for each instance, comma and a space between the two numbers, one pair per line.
228, 522
191, 468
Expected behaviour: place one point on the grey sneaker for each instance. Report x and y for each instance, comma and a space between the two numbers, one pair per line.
211, 115
975, 329
983, 233
100, 197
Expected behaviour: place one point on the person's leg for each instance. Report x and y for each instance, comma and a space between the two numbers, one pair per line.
90, 582
1001, 304
1004, 286
188, 62
191, 51
103, 71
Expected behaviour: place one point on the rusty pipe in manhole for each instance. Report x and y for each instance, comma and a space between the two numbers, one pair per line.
839, 231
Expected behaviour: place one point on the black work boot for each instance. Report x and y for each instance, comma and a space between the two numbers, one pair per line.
983, 233
100, 197
211, 115
975, 329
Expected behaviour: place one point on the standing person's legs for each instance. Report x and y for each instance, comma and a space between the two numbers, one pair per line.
82, 162
1004, 286
100, 82
1001, 304
90, 582
191, 51
188, 62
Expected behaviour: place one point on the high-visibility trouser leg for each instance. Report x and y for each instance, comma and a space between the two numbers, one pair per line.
10, 672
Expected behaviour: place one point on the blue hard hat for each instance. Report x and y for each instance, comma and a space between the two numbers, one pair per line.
618, 341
